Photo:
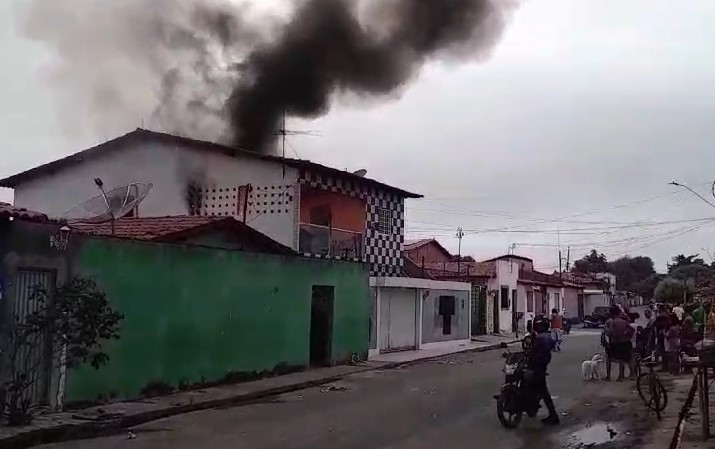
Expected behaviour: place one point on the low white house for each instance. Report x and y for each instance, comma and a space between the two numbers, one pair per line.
597, 290
415, 313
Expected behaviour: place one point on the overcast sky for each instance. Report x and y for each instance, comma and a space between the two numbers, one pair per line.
584, 113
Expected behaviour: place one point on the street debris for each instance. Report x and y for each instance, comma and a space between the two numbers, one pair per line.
131, 435
334, 388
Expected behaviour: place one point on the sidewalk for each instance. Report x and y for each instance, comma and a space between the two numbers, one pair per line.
480, 343
662, 435
111, 418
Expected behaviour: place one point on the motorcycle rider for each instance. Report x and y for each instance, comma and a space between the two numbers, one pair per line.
539, 361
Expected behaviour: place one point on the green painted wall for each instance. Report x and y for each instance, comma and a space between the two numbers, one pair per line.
197, 314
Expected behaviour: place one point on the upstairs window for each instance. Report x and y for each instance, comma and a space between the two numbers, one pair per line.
384, 221
320, 215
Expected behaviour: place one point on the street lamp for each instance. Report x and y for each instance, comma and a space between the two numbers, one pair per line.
61, 239
677, 184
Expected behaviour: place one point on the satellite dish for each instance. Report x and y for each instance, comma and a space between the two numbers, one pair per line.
110, 205
361, 173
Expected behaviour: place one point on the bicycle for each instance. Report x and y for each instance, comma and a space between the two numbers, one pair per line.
650, 388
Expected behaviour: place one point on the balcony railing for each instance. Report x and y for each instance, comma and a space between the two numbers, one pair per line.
324, 241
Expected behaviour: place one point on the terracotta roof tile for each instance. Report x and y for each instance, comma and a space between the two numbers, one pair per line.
8, 210
537, 277
149, 228
415, 244
454, 269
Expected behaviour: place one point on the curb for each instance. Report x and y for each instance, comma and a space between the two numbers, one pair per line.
92, 429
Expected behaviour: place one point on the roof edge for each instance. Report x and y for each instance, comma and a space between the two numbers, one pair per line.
32, 173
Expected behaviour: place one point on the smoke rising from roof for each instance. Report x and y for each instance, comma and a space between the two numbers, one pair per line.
218, 70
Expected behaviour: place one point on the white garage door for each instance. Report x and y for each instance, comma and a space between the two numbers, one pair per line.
398, 310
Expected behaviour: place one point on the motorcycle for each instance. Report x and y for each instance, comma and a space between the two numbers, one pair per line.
567, 327
516, 397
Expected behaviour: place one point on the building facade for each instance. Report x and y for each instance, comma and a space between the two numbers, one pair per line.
314, 209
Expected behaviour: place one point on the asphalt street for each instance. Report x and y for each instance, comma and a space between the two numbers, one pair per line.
446, 402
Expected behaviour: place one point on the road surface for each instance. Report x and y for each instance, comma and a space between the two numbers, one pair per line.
443, 403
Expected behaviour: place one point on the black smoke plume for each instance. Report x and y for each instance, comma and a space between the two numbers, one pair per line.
325, 48
212, 69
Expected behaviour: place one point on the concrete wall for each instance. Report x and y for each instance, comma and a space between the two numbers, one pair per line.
169, 168
571, 302
196, 314
507, 276
522, 305
552, 292
432, 329
373, 318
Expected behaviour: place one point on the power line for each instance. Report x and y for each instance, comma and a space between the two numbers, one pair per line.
472, 212
571, 231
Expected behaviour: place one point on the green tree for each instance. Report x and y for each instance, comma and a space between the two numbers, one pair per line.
646, 287
632, 272
672, 290
680, 261
594, 262
73, 324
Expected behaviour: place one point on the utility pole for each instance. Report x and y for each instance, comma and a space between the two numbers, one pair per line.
568, 257
460, 236
560, 272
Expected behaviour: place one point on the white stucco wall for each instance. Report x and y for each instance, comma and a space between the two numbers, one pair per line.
522, 305
399, 311
169, 168
507, 276
552, 298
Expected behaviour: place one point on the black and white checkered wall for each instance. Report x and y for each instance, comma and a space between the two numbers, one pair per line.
382, 247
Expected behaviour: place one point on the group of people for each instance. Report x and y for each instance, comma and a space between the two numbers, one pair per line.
667, 334
670, 332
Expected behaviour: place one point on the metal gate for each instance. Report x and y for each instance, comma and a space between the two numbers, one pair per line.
479, 310
34, 355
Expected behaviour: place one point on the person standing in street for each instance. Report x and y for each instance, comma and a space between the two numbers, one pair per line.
538, 363
557, 329
672, 345
679, 311
618, 334
709, 322
662, 324
699, 320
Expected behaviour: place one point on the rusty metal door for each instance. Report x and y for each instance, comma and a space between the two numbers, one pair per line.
34, 356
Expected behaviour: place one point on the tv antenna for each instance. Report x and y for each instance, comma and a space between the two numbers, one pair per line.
360, 173
284, 133
109, 205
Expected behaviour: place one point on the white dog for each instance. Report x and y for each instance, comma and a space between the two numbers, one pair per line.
589, 368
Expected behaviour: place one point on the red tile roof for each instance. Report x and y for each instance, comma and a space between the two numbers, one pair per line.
150, 228
416, 244
8, 210
413, 245
461, 269
411, 270
539, 278
174, 228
